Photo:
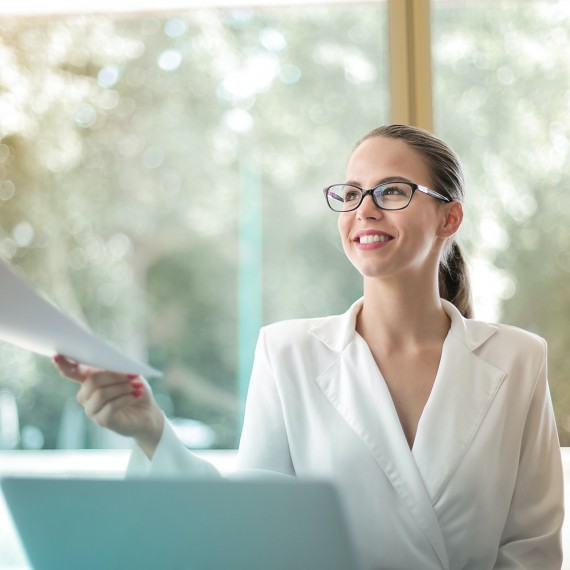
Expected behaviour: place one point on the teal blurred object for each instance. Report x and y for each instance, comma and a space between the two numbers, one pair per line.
250, 269
255, 524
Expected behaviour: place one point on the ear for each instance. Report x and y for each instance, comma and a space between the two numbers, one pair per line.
453, 216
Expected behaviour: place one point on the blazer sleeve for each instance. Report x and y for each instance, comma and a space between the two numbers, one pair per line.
532, 535
171, 458
264, 444
264, 450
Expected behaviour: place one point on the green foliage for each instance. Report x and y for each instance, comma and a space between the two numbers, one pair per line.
502, 84
123, 144
121, 147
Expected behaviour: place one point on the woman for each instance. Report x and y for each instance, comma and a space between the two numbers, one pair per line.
437, 429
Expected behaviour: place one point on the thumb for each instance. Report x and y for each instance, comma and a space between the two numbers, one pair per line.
72, 369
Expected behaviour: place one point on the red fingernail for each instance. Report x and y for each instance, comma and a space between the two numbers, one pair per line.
58, 358
132, 376
137, 384
138, 393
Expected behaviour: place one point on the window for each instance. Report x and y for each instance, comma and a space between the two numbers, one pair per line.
501, 99
151, 169
160, 180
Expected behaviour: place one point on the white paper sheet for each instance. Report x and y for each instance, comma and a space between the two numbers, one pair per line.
31, 322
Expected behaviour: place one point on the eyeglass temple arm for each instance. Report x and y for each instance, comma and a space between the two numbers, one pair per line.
433, 193
333, 195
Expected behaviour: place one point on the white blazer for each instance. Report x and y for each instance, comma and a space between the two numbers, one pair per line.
481, 488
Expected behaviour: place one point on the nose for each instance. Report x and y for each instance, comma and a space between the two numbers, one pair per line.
368, 210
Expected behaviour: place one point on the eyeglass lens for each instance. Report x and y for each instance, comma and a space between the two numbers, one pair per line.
391, 196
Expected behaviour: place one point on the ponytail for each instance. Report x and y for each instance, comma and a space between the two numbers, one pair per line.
454, 283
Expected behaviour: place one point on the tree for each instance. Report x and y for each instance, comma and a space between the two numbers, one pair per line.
126, 163
501, 84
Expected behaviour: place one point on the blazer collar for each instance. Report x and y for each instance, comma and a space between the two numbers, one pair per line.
469, 332
338, 331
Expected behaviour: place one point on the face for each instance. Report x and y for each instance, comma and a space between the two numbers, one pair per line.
405, 243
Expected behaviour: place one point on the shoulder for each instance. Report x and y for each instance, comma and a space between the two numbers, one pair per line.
514, 350
296, 347
520, 335
493, 339
292, 330
509, 337
330, 333
334, 332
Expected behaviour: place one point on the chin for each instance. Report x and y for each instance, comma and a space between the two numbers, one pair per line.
369, 271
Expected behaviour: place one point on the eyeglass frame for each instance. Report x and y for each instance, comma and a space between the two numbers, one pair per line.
412, 185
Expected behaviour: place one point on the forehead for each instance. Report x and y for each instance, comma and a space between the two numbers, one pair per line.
378, 158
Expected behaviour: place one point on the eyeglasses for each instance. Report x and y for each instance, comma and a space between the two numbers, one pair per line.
389, 196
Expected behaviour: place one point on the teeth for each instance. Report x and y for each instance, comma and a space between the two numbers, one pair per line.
373, 238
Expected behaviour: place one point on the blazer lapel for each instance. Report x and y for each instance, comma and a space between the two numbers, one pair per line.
463, 391
354, 386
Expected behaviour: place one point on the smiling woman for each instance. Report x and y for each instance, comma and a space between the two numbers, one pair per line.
398, 401
150, 178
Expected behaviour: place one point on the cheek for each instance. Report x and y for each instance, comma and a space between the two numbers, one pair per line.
341, 224
421, 232
421, 221
344, 225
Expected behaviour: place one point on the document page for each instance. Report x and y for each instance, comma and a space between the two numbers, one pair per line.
31, 322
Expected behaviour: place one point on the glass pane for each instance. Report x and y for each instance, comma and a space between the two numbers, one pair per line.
151, 176
502, 85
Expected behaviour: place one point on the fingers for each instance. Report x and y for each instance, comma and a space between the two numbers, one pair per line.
120, 402
105, 386
71, 369
82, 373
115, 401
107, 415
102, 393
94, 397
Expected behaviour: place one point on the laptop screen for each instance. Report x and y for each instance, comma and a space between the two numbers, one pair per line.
180, 524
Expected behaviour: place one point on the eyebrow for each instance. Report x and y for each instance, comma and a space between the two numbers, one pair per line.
382, 181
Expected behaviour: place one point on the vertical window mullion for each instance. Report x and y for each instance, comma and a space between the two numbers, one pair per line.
410, 62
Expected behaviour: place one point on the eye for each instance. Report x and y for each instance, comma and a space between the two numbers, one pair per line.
351, 195
396, 192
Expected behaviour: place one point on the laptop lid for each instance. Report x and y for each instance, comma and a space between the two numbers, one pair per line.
95, 524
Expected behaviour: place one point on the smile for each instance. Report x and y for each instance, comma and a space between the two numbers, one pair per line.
373, 238
368, 239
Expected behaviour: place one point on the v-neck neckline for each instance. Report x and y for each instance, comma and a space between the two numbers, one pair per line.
428, 404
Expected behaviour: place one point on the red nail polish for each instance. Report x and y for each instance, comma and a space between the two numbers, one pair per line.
138, 393
58, 358
132, 376
137, 384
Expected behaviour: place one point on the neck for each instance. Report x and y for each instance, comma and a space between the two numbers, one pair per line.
402, 316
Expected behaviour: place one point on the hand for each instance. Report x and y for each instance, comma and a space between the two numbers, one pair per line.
122, 403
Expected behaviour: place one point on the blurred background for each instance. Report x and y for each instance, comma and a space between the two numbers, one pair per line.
161, 177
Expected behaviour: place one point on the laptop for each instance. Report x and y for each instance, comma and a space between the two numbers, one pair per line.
174, 524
